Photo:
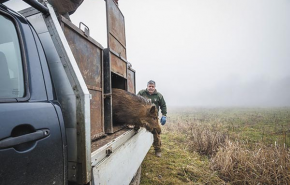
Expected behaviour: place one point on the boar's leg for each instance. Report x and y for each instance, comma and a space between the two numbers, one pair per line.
137, 127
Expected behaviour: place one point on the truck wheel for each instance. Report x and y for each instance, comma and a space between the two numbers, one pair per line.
136, 179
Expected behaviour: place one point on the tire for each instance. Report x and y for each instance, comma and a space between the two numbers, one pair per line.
136, 179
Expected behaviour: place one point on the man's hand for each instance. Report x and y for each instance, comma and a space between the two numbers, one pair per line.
163, 120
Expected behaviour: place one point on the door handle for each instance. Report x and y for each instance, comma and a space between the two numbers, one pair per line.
13, 141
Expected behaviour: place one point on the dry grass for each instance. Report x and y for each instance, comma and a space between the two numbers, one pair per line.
204, 139
201, 136
260, 165
177, 166
238, 146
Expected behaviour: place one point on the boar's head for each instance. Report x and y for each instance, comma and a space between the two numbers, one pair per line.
150, 121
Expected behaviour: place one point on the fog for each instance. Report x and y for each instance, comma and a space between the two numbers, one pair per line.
208, 52
205, 52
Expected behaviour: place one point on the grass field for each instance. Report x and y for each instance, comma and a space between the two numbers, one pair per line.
222, 146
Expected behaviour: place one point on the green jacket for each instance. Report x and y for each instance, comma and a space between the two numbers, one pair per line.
155, 98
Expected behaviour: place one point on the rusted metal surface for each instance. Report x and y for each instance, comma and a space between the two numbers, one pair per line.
97, 126
119, 127
116, 28
131, 81
89, 56
117, 47
118, 66
105, 140
115, 63
108, 119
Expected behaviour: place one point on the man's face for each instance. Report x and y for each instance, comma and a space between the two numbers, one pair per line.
151, 88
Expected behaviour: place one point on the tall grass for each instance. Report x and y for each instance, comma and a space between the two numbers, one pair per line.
202, 138
238, 164
245, 146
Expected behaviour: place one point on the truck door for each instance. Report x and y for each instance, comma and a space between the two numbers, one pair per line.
31, 145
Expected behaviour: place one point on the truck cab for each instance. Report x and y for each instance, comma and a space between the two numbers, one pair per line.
56, 104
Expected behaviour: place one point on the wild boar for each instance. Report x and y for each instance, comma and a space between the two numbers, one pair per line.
131, 109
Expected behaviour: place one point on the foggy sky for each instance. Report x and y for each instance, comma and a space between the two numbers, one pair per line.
208, 52
205, 52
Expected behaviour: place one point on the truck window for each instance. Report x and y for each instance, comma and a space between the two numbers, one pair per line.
11, 70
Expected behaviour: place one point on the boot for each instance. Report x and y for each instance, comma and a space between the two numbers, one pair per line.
157, 153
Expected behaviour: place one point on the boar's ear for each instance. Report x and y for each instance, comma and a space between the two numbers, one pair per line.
152, 109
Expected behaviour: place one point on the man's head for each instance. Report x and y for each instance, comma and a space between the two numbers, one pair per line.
151, 86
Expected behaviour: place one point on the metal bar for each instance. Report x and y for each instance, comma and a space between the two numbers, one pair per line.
118, 55
86, 30
108, 120
90, 87
37, 5
117, 40
3, 1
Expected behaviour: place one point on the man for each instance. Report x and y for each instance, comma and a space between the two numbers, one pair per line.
156, 98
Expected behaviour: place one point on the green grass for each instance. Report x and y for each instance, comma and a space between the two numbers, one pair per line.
179, 165
269, 125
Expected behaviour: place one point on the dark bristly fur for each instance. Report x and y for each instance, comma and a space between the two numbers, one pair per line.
131, 109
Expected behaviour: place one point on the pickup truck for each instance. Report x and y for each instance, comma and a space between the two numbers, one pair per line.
56, 83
